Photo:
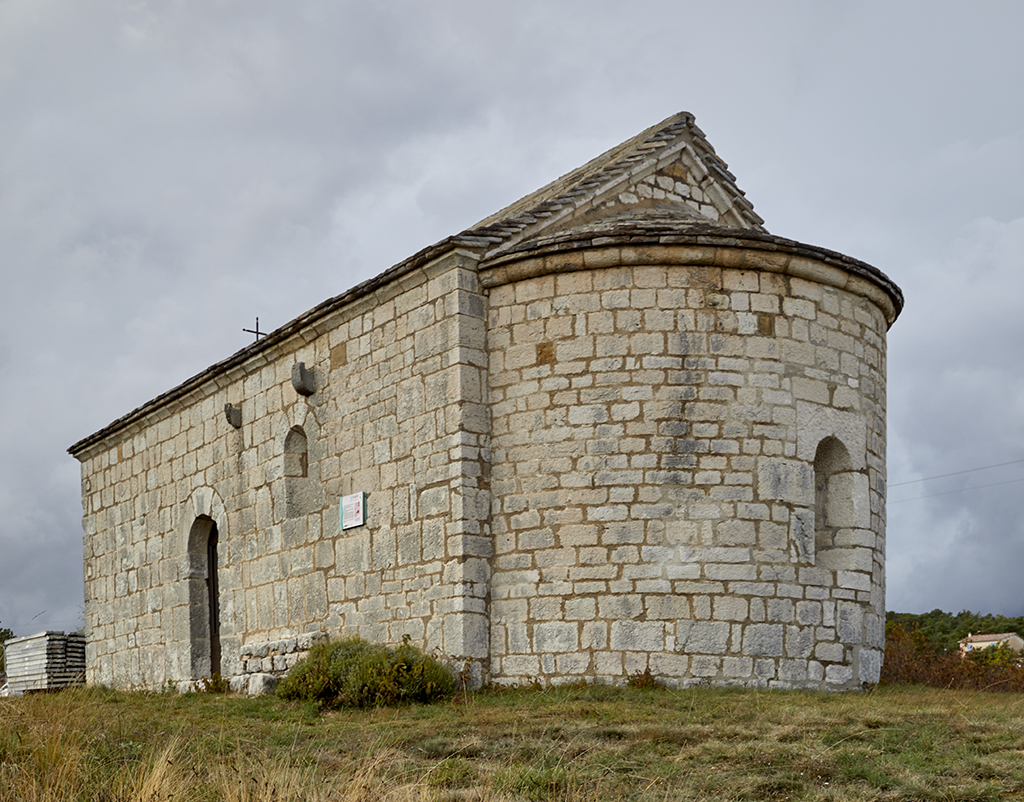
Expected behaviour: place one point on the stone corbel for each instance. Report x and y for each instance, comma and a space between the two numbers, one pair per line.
234, 415
303, 380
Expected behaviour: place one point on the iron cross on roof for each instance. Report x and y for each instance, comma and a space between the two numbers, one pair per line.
256, 331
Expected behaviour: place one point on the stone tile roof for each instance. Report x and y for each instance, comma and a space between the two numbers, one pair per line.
619, 165
989, 638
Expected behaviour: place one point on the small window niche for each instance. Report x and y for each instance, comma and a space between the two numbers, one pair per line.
835, 489
298, 487
296, 453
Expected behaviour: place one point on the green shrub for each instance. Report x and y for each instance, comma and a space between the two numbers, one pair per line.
645, 680
998, 655
397, 676
321, 675
354, 673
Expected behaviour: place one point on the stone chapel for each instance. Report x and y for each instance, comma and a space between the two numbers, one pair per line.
616, 426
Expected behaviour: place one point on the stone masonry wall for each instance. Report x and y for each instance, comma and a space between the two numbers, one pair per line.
397, 413
662, 428
617, 426
577, 464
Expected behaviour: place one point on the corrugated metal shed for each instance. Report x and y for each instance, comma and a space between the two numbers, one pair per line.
45, 661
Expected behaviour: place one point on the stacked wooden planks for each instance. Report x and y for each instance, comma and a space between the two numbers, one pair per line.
45, 661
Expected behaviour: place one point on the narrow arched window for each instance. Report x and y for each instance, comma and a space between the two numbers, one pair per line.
296, 453
833, 493
297, 486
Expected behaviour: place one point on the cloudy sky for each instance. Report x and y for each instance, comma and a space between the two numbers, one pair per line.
171, 170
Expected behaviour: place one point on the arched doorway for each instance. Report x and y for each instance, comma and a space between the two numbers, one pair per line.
213, 599
204, 599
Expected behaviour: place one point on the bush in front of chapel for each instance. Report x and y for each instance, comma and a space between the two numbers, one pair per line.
355, 673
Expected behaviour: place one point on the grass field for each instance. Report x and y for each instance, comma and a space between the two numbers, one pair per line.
585, 743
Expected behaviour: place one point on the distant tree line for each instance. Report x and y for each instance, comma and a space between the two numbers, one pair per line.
925, 650
5, 634
944, 631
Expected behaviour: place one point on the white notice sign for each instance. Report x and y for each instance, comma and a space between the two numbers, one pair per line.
353, 510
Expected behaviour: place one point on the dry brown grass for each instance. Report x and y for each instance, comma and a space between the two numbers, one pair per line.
571, 744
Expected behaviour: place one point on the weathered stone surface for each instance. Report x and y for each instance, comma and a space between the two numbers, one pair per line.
702, 637
261, 684
747, 430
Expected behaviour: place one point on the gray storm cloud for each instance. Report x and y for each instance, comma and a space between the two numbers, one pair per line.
169, 172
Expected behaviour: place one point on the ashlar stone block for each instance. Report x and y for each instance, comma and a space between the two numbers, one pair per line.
556, 636
642, 636
702, 637
763, 639
785, 480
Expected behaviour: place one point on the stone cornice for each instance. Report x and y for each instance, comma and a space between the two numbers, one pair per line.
635, 242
